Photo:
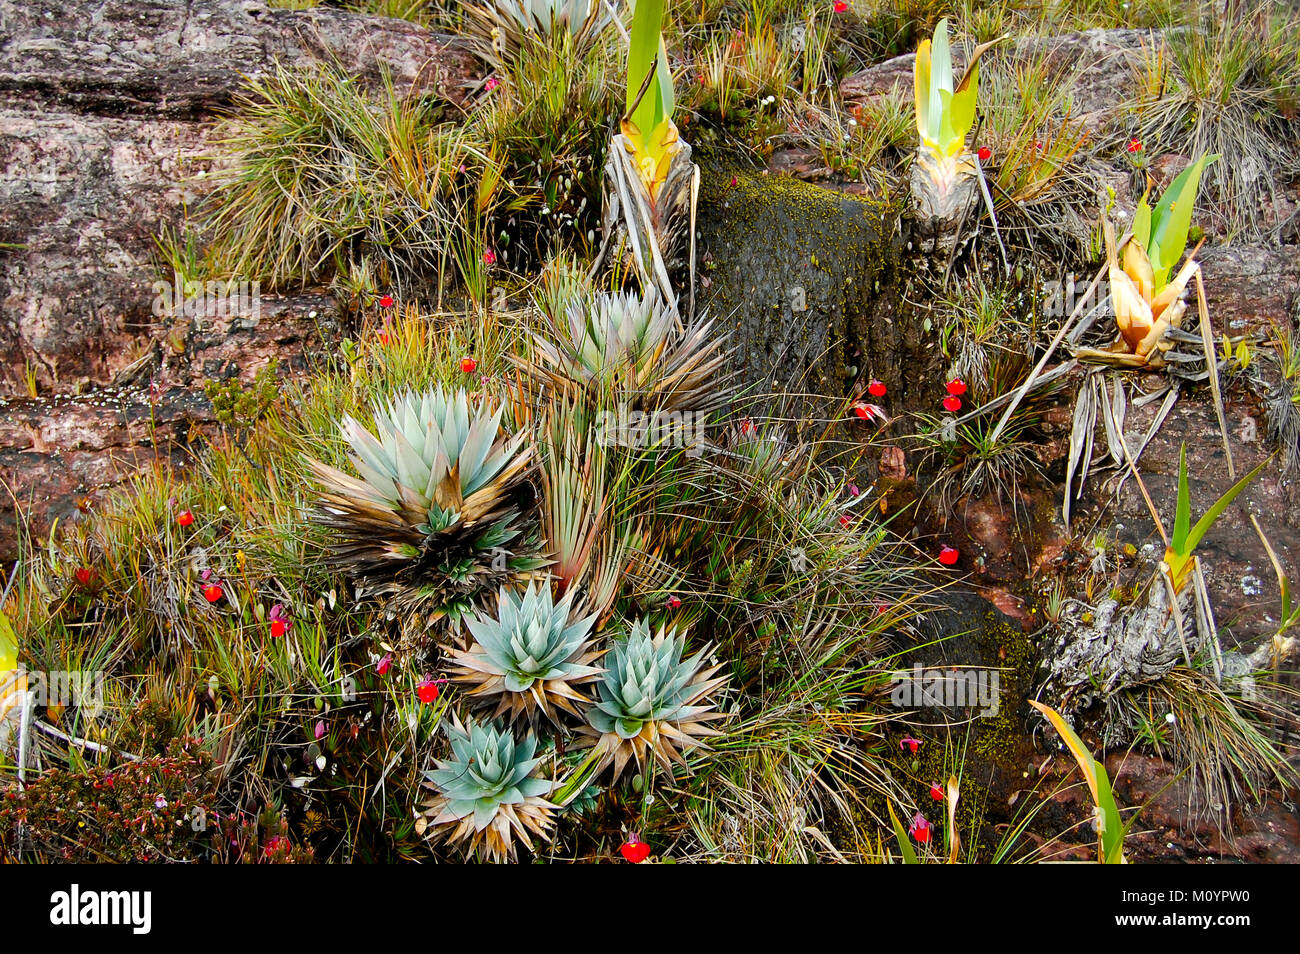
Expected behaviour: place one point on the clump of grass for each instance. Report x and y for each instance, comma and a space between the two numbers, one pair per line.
541, 123
1231, 91
329, 175
1227, 744
872, 141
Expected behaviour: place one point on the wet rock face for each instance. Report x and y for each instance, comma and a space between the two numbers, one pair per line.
105, 132
804, 280
61, 454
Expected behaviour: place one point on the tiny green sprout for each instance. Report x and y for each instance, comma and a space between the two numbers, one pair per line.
1183, 543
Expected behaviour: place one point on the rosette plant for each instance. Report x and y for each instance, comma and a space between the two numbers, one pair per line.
529, 657
654, 705
488, 792
441, 494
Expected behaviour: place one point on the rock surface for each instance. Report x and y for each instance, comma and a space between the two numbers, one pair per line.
107, 136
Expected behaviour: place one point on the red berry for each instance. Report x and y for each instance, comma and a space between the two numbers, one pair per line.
468, 365
948, 556
635, 850
185, 518
876, 388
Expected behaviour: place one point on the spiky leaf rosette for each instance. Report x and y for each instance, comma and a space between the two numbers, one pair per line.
631, 347
488, 792
437, 512
653, 703
529, 657
498, 28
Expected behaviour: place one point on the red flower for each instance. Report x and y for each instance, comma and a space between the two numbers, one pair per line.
841, 6
956, 386
920, 829
673, 602
185, 518
907, 742
948, 556
952, 403
1134, 145
468, 365
489, 257
213, 592
428, 690
747, 427
279, 618
275, 843
936, 792
985, 153
634, 849
385, 301
1038, 144
84, 575
876, 388
384, 664
384, 338
491, 84
845, 521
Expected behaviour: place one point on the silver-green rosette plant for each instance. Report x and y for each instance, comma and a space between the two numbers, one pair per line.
529, 657
488, 792
653, 703
437, 502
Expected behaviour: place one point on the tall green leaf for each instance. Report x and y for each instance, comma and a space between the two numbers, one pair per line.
645, 45
1172, 218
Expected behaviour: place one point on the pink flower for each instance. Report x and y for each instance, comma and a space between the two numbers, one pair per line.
952, 403
948, 556
907, 742
489, 257
919, 829
491, 84
384, 664
673, 602
320, 728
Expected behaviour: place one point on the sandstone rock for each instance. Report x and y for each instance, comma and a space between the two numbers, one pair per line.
106, 135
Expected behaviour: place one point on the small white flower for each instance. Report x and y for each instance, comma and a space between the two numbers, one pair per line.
1170, 718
